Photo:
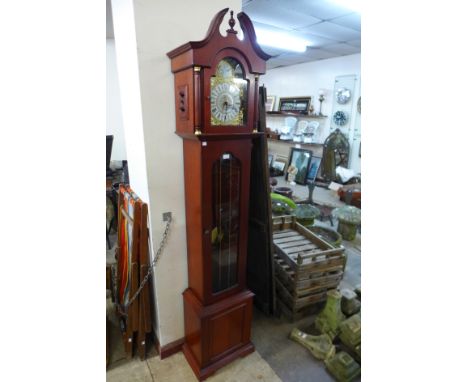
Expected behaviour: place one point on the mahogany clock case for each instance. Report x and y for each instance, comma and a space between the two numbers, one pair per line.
217, 159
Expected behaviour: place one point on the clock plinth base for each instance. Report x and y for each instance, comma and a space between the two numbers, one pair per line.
208, 371
216, 334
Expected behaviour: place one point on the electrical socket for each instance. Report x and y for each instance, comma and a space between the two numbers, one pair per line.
167, 216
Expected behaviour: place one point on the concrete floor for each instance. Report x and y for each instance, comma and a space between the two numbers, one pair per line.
176, 369
277, 358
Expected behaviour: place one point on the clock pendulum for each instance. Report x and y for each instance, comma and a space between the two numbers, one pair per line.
216, 99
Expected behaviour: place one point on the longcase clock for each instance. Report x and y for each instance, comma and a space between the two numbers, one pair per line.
216, 100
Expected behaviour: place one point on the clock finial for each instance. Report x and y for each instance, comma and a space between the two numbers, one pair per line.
232, 22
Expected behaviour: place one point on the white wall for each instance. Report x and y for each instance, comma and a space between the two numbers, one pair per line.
114, 123
158, 28
306, 79
127, 68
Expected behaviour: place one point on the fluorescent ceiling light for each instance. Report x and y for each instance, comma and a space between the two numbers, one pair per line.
352, 5
281, 40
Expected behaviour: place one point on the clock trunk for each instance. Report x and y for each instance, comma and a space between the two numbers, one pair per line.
217, 183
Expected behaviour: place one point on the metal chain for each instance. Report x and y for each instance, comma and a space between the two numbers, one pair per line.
123, 311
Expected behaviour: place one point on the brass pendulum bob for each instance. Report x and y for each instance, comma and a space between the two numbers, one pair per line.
321, 346
329, 319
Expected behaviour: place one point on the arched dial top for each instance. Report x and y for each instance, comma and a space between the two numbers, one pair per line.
228, 94
200, 52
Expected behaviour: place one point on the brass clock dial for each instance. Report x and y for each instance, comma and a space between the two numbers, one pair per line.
225, 103
228, 94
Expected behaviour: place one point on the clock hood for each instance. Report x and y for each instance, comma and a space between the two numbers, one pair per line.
200, 53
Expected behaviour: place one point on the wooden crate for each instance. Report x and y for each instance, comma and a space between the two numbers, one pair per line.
306, 266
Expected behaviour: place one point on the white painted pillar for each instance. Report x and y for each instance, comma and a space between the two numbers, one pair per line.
114, 124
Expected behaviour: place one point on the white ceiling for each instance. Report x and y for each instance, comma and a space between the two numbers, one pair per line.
333, 30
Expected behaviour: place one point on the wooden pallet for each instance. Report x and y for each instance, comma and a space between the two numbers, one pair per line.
306, 266
284, 310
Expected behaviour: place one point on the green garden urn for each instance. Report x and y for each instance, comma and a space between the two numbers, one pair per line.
349, 217
330, 318
321, 346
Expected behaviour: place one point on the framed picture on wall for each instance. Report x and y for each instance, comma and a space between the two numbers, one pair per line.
314, 168
270, 103
296, 105
298, 165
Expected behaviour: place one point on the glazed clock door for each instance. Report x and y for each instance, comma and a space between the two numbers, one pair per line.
226, 177
228, 87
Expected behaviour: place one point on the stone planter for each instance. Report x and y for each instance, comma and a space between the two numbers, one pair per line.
350, 334
349, 302
306, 214
343, 367
327, 234
347, 230
321, 346
330, 318
349, 217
